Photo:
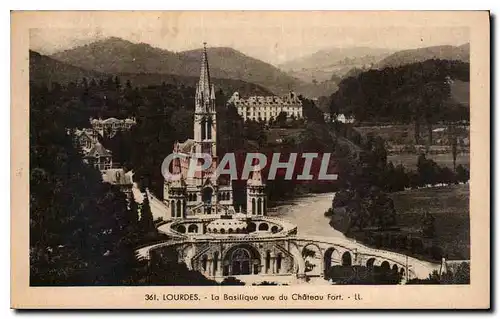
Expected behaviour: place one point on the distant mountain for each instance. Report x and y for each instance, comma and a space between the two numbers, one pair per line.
115, 55
45, 70
442, 52
332, 56
323, 70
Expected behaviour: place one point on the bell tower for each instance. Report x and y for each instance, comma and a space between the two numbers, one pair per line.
256, 194
205, 123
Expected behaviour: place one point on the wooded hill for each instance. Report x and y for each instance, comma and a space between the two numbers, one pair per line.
46, 71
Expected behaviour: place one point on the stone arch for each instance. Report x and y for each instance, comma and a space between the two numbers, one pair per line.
230, 231
193, 228
274, 229
279, 260
395, 268
346, 259
204, 262
222, 231
241, 259
330, 255
207, 193
178, 208
370, 263
402, 271
181, 229
385, 265
264, 227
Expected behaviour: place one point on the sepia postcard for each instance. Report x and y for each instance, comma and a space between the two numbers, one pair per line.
250, 160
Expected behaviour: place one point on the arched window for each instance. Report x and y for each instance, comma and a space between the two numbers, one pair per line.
178, 204
264, 226
268, 261
192, 228
278, 263
209, 128
253, 206
203, 129
204, 262
264, 208
230, 231
183, 207
259, 206
216, 262
172, 208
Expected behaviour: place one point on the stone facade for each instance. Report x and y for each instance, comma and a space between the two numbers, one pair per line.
202, 193
109, 127
265, 108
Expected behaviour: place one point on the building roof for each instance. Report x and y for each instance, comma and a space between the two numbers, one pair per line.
186, 146
256, 178
86, 132
111, 120
98, 151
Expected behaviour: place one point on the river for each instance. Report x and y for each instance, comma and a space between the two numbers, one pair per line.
307, 212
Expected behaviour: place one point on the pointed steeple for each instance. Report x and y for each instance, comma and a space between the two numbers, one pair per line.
204, 84
256, 178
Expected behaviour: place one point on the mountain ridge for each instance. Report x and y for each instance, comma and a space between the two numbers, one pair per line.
45, 70
115, 55
439, 52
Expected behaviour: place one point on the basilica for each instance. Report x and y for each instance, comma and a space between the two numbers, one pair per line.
200, 207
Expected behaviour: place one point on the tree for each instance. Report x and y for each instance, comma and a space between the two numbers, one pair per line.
146, 223
281, 119
79, 226
462, 174
117, 83
427, 222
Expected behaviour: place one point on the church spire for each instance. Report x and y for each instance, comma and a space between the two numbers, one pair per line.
204, 84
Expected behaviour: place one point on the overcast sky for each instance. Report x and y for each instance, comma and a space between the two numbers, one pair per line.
270, 37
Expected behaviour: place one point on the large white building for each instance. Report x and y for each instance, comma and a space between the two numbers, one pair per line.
265, 108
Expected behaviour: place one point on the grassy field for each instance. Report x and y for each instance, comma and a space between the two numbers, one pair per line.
403, 134
450, 207
409, 161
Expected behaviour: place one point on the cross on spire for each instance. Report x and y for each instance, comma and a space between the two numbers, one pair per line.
204, 84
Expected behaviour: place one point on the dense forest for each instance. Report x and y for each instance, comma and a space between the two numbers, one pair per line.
417, 93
